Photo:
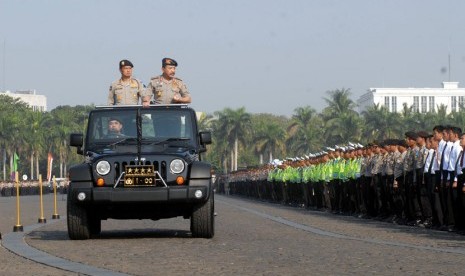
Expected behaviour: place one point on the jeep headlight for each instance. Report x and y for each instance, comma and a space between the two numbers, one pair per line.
103, 167
177, 166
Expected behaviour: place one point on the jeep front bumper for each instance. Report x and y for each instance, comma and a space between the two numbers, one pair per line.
140, 194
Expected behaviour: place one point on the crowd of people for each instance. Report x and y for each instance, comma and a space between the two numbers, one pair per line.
416, 181
29, 188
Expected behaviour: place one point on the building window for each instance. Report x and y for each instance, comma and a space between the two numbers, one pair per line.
453, 103
416, 104
394, 104
461, 102
431, 104
423, 104
386, 102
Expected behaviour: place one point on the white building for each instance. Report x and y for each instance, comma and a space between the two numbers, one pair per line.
36, 102
421, 99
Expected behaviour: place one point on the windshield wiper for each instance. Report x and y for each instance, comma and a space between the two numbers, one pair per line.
171, 140
127, 139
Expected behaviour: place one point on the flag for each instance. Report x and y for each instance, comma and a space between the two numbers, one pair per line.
15, 162
49, 166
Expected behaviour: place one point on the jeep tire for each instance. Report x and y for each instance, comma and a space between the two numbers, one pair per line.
78, 221
203, 219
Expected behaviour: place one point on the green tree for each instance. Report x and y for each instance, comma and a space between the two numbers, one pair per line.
12, 128
36, 139
340, 117
305, 131
380, 124
234, 125
270, 138
64, 121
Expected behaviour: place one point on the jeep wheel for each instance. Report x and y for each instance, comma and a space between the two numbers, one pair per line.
78, 221
203, 219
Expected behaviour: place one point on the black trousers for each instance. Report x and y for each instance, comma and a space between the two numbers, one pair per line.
366, 194
427, 205
458, 201
447, 198
390, 206
409, 209
399, 197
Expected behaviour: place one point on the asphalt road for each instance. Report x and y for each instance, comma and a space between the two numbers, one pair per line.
252, 238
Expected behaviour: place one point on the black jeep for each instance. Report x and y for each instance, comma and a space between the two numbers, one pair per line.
149, 168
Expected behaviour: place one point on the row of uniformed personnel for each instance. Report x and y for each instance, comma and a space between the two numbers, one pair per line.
162, 89
26, 188
419, 180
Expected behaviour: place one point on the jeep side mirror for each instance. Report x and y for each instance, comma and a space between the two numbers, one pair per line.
205, 137
76, 140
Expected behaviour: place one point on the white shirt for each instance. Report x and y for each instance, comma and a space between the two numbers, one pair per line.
441, 146
446, 153
429, 158
454, 155
459, 168
436, 162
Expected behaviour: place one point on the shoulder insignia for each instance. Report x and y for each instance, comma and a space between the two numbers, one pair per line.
110, 87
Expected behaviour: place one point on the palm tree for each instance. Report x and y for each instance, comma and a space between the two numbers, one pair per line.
340, 116
301, 119
64, 122
12, 125
339, 103
270, 137
36, 137
304, 131
381, 124
205, 121
343, 129
234, 124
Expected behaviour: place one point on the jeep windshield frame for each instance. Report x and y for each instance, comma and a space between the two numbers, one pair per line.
162, 126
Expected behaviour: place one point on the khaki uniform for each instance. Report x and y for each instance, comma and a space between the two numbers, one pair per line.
163, 90
126, 93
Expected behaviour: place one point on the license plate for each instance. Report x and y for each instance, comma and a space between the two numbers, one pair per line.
139, 175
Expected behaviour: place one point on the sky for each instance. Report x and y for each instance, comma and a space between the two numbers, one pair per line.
268, 56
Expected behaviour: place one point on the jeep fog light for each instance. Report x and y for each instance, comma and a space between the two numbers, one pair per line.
81, 196
103, 167
177, 166
100, 182
198, 194
179, 180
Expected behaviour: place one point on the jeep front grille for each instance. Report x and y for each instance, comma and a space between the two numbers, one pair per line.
161, 167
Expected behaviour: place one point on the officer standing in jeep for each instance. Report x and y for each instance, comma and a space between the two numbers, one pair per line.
127, 90
166, 88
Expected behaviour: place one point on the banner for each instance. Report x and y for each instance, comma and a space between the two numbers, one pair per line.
49, 166
15, 162
14, 168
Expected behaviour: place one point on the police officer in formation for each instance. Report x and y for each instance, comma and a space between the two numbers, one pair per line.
164, 89
418, 180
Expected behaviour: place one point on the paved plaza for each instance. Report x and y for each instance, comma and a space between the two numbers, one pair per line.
251, 238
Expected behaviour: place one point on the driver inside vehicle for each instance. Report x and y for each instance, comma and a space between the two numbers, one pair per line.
115, 128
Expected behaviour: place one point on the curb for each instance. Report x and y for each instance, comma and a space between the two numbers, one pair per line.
15, 243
